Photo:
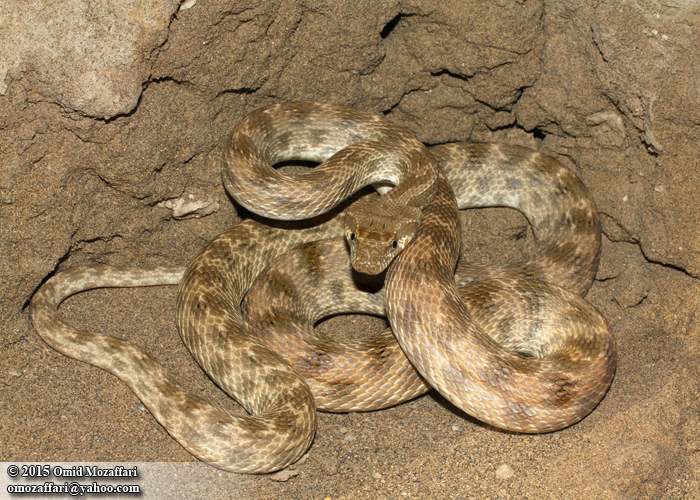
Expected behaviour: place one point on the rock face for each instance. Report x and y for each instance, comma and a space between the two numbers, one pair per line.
112, 111
90, 58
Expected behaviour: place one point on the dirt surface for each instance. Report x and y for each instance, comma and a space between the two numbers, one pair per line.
107, 111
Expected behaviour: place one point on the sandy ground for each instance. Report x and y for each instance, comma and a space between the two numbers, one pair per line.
68, 411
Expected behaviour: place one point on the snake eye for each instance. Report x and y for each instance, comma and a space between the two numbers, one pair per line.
394, 244
352, 236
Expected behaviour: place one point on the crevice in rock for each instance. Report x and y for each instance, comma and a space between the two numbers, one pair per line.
665, 264
127, 114
83, 245
627, 237
96, 174
238, 91
50, 274
538, 133
624, 235
518, 93
166, 79
630, 306
447, 72
393, 24
609, 278
466, 78
386, 112
96, 239
597, 46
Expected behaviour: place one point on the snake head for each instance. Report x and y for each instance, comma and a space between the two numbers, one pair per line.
377, 230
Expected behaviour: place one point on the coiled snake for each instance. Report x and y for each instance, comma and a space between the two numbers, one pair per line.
515, 345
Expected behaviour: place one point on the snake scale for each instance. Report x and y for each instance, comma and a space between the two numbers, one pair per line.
514, 345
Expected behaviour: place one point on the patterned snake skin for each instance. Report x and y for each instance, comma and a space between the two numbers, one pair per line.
514, 345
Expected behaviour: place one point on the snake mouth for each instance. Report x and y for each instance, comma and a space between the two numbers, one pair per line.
370, 268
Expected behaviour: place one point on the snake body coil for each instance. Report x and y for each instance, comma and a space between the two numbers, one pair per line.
515, 345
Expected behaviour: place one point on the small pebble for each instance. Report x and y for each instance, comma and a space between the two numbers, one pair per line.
456, 428
504, 472
284, 475
302, 460
330, 466
188, 4
349, 438
377, 475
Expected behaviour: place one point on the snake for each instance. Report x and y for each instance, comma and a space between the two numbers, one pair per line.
507, 370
